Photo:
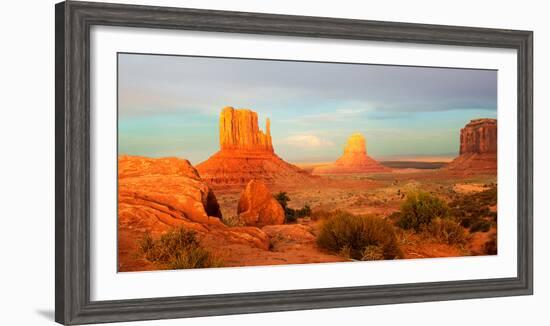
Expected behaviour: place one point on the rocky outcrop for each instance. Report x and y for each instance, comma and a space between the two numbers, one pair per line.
257, 207
246, 153
479, 136
354, 160
239, 131
478, 148
169, 189
156, 195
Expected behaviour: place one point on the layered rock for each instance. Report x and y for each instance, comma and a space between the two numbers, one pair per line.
479, 136
354, 160
169, 189
246, 153
257, 207
478, 148
156, 195
239, 131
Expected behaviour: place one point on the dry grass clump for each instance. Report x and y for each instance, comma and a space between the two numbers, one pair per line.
359, 237
233, 220
177, 249
448, 231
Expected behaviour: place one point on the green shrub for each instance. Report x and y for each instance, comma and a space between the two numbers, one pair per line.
291, 214
356, 237
304, 211
177, 249
419, 209
282, 198
447, 230
480, 226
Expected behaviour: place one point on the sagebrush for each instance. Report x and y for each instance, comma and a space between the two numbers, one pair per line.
419, 209
359, 237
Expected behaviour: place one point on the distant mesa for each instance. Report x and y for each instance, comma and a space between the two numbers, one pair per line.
246, 153
354, 160
478, 148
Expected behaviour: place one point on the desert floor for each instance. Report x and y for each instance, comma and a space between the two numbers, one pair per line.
378, 194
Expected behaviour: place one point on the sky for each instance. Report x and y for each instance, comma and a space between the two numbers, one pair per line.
170, 105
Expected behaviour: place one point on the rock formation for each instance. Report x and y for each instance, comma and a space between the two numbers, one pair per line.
354, 160
257, 207
478, 148
156, 195
239, 131
246, 153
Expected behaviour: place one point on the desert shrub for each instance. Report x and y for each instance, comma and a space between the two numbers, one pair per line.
472, 209
282, 198
373, 253
351, 235
304, 211
480, 226
447, 230
291, 214
177, 249
419, 209
394, 217
490, 247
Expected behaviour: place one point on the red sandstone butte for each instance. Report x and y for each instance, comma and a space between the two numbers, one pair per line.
257, 207
478, 148
354, 160
246, 153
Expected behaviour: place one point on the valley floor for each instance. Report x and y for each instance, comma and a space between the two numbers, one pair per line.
373, 194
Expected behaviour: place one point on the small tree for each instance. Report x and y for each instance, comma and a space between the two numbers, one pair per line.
291, 215
283, 199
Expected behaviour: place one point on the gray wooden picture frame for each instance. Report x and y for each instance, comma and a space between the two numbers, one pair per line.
72, 169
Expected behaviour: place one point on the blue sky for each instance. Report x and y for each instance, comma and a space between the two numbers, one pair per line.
170, 105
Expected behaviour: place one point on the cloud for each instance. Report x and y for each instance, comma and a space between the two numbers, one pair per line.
307, 141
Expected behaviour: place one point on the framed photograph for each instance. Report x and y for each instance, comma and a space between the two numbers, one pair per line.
216, 162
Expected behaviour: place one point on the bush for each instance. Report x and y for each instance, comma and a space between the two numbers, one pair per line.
447, 230
177, 249
282, 198
419, 209
473, 209
359, 237
291, 215
480, 226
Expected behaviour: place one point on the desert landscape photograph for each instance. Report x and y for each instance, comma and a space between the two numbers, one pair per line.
229, 162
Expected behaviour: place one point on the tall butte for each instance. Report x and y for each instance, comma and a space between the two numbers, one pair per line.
478, 148
354, 160
246, 153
